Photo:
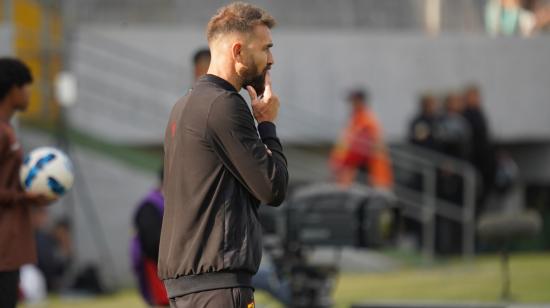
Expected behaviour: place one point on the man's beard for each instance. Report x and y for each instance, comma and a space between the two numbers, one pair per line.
257, 81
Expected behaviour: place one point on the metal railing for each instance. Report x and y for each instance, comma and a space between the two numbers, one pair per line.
424, 205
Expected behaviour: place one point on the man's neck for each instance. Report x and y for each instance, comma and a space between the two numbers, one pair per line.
231, 78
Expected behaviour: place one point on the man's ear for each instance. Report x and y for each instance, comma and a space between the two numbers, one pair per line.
236, 51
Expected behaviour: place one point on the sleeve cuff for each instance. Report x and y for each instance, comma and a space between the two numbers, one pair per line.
267, 130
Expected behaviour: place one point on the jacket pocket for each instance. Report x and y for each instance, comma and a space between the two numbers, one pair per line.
242, 234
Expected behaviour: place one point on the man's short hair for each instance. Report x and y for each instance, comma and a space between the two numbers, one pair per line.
472, 87
237, 17
426, 97
203, 53
358, 94
13, 72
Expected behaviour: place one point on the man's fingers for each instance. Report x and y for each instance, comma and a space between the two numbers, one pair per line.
267, 85
268, 150
267, 79
252, 93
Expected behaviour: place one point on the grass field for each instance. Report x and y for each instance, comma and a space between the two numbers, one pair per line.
480, 281
453, 281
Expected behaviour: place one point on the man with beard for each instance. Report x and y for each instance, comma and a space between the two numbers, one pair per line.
218, 170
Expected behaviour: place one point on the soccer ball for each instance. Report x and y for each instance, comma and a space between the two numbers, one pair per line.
47, 171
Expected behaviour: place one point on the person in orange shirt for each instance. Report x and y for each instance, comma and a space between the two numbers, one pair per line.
361, 147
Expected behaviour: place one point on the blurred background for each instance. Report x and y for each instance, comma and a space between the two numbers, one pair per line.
458, 101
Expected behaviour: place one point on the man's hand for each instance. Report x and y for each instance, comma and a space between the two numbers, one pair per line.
38, 199
265, 108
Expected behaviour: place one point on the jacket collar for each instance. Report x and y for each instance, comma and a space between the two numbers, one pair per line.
224, 84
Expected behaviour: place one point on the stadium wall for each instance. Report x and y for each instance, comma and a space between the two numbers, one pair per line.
312, 72
5, 40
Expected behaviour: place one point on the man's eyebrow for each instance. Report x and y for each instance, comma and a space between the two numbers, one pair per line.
269, 45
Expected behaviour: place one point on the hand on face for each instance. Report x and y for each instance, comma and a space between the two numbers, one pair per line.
266, 107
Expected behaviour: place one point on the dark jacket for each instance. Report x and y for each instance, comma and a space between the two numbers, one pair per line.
217, 173
482, 155
148, 224
454, 136
422, 131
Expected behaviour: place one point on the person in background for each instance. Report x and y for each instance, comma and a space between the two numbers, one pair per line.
482, 154
422, 133
454, 132
508, 17
145, 246
33, 280
361, 148
454, 135
17, 244
541, 12
56, 260
201, 61
422, 130
53, 249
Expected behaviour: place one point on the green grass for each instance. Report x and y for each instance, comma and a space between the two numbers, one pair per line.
128, 299
454, 281
479, 281
125, 299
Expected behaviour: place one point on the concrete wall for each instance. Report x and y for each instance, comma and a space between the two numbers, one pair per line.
5, 40
464, 16
315, 69
312, 73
